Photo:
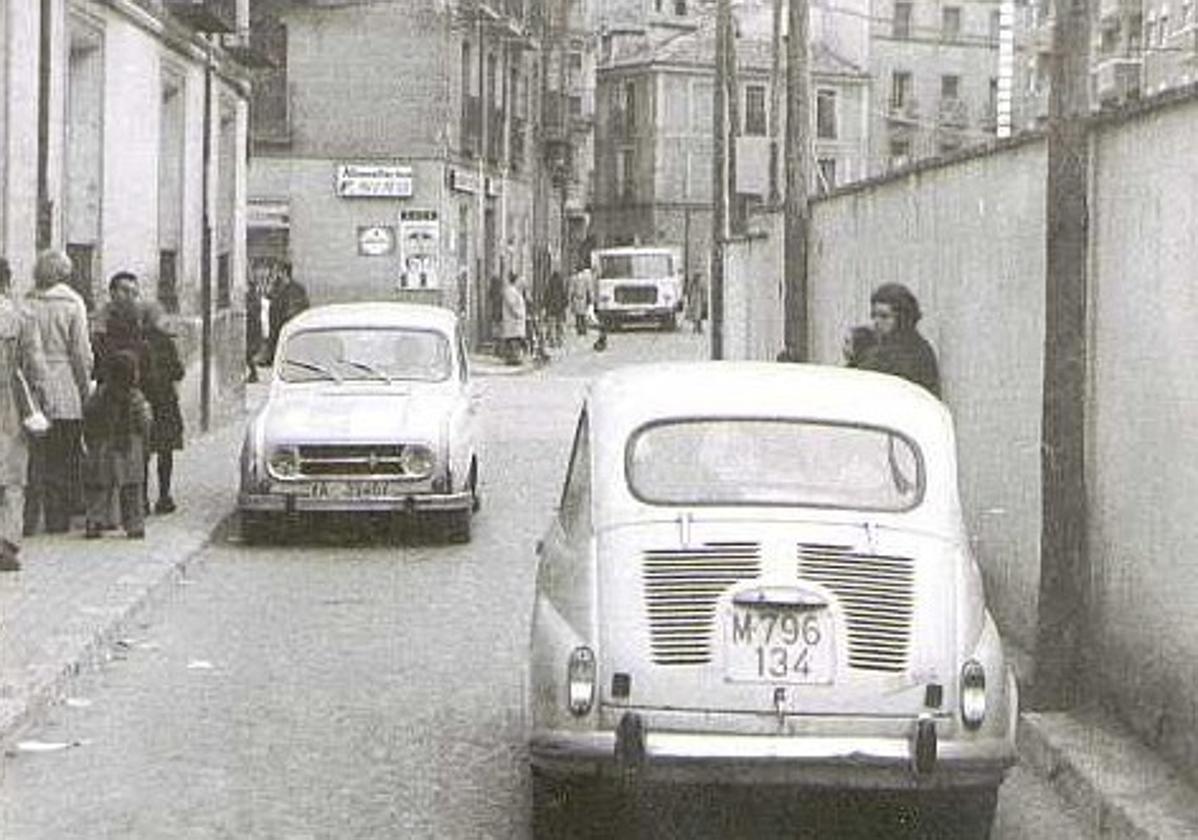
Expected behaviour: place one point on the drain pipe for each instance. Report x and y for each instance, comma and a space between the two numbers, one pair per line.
44, 209
206, 252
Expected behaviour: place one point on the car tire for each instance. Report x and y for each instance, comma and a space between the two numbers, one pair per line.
255, 528
457, 526
670, 324
576, 808
476, 499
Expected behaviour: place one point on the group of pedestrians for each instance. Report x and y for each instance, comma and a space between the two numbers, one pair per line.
108, 390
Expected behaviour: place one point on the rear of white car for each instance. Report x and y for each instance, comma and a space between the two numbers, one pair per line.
814, 626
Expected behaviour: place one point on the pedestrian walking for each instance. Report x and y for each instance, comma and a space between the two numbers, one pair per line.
23, 366
858, 341
900, 349
696, 300
513, 324
580, 299
159, 386
288, 298
55, 481
556, 302
116, 422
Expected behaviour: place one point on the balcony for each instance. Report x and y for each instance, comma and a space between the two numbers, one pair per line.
904, 111
1117, 79
205, 15
256, 48
953, 113
471, 129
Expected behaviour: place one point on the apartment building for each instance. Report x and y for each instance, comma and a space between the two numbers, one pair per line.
123, 132
935, 70
398, 149
653, 146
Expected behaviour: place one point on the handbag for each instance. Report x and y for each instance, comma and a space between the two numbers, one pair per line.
33, 419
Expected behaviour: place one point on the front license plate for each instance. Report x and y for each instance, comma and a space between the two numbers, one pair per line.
355, 489
770, 644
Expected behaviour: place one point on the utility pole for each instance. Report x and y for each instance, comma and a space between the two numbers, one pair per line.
1064, 564
798, 175
719, 210
775, 123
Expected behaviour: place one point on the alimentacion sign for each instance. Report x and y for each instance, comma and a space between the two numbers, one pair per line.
353, 180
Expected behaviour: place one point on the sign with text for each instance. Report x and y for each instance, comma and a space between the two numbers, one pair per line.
376, 240
463, 180
367, 181
419, 246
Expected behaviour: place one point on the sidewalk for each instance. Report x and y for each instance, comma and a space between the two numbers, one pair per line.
74, 599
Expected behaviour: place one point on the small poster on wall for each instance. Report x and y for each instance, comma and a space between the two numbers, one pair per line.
419, 249
376, 240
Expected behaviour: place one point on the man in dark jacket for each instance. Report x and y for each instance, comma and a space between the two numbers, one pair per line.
288, 298
900, 349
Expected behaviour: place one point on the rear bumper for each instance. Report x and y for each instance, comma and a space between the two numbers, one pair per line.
635, 313
846, 763
411, 503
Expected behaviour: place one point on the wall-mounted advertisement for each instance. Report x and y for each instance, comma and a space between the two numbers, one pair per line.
359, 181
376, 240
419, 249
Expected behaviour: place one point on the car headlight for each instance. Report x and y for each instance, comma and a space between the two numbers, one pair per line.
284, 462
417, 461
580, 677
973, 694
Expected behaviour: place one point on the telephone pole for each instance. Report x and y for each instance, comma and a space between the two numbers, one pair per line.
796, 211
720, 169
1064, 564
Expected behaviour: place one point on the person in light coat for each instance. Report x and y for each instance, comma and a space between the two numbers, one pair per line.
60, 314
513, 326
580, 299
20, 349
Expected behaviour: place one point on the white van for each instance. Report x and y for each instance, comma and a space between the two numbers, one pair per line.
637, 283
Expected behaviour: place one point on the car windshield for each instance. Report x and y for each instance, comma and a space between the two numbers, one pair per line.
634, 265
384, 355
774, 462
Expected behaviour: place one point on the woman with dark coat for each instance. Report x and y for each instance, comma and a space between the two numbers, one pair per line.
900, 349
166, 431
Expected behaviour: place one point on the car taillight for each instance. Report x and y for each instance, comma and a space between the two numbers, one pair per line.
973, 694
580, 677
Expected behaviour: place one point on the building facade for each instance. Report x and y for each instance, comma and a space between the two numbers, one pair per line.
935, 70
397, 150
653, 147
124, 135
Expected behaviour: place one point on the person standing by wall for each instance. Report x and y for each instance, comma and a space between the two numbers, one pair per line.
513, 327
116, 421
61, 321
253, 322
288, 298
900, 349
158, 385
556, 301
696, 300
20, 359
580, 299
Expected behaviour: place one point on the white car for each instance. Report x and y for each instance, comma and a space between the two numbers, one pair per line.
371, 408
759, 574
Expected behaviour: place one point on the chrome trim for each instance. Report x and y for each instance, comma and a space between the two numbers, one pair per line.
274, 502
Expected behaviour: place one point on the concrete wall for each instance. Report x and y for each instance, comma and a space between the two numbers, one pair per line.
1143, 462
968, 237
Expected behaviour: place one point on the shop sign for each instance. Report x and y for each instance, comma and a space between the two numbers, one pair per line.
420, 248
463, 180
376, 240
360, 181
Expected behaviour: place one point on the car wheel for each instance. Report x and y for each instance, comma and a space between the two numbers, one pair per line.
670, 324
255, 528
573, 808
476, 499
457, 525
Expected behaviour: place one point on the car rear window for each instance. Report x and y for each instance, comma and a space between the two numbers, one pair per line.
635, 265
381, 354
737, 461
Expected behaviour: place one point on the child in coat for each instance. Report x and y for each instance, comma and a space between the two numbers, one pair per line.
158, 383
116, 421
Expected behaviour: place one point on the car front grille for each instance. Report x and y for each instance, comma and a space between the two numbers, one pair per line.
351, 460
636, 294
876, 593
681, 590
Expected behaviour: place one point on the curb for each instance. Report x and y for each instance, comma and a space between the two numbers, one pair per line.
1122, 789
50, 685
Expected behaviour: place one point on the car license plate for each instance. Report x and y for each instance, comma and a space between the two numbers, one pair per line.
773, 644
340, 490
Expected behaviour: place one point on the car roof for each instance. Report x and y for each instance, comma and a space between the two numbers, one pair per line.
375, 314
642, 393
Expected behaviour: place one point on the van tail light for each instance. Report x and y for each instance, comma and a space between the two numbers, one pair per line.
580, 677
973, 694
